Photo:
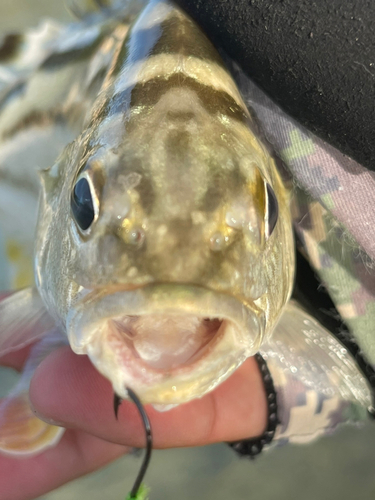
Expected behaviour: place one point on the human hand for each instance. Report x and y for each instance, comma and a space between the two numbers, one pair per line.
67, 389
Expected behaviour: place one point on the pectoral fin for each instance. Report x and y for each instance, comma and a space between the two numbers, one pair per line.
21, 432
23, 320
318, 382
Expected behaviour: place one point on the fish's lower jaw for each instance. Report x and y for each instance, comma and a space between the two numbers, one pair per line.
173, 385
170, 344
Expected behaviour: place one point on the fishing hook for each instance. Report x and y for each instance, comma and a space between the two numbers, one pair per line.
116, 404
147, 426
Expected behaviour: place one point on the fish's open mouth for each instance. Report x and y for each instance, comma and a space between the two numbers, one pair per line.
169, 343
166, 342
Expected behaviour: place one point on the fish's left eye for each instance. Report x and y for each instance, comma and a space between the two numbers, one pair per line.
272, 211
82, 204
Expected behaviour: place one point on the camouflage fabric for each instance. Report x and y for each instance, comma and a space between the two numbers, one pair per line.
332, 211
318, 383
333, 206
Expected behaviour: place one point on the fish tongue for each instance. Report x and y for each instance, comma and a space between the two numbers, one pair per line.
164, 342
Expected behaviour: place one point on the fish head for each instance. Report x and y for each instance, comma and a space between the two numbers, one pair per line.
164, 243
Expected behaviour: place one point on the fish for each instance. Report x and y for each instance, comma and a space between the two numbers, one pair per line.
164, 244
164, 247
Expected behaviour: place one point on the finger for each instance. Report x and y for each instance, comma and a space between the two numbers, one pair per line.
67, 389
76, 454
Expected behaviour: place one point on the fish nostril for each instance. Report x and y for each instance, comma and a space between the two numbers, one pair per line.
136, 236
131, 235
217, 242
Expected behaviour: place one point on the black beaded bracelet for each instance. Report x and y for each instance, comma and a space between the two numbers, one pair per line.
252, 447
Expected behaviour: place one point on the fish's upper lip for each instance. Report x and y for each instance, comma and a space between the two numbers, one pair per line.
164, 298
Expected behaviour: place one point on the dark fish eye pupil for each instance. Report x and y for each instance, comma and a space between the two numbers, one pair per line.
273, 210
82, 204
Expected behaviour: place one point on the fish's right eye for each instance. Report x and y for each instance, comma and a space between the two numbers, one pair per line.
272, 211
82, 204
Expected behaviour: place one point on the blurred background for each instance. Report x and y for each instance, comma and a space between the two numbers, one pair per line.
338, 467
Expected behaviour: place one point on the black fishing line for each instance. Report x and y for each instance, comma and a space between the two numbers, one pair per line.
147, 426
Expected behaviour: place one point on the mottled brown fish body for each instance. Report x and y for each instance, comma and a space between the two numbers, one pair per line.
182, 193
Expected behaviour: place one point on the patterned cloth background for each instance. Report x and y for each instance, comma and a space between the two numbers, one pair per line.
333, 210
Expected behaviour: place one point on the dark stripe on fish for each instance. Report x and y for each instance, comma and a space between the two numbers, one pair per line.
9, 47
149, 93
120, 60
35, 119
175, 35
70, 57
10, 94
